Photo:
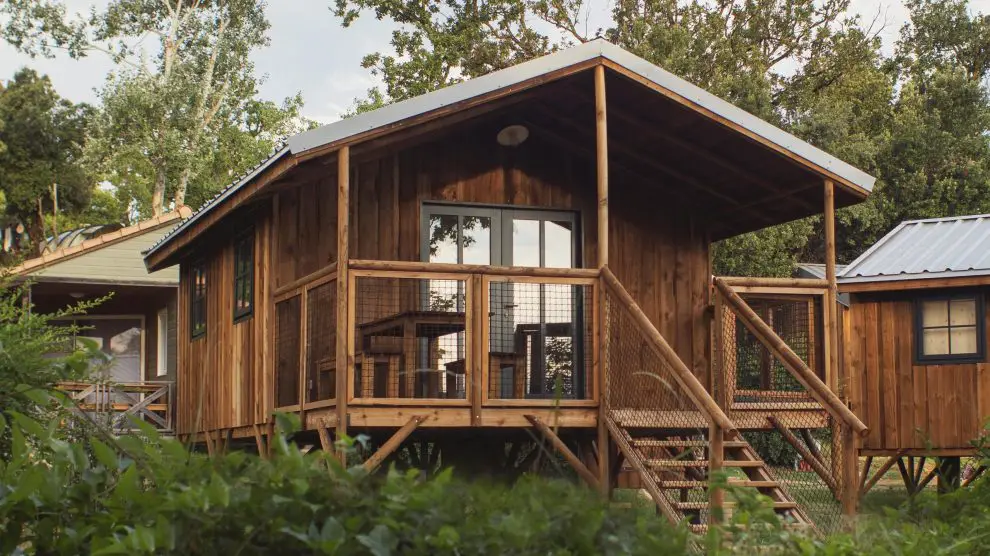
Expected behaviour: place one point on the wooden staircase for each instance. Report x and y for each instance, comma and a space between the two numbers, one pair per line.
673, 465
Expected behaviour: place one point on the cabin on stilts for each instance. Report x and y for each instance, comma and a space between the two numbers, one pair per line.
915, 338
134, 325
526, 255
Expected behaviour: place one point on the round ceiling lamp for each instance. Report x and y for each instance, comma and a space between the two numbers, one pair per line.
512, 136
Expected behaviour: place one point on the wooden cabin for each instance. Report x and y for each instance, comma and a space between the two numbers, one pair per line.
528, 249
915, 337
136, 324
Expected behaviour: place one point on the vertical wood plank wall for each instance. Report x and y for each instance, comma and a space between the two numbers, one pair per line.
658, 251
908, 406
223, 380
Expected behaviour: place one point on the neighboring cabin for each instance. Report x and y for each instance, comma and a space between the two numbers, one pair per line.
916, 337
137, 324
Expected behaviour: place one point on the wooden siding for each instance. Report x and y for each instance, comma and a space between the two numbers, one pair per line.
224, 377
908, 406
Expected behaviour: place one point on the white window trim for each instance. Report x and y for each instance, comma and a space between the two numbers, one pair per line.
161, 362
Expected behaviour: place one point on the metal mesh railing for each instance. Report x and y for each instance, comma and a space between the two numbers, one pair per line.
321, 342
288, 342
540, 340
410, 338
790, 431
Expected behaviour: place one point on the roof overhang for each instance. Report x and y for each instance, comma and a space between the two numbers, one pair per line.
462, 96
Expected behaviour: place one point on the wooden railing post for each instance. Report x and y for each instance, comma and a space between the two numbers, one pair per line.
716, 457
343, 290
601, 152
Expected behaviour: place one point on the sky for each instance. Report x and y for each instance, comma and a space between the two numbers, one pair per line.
310, 52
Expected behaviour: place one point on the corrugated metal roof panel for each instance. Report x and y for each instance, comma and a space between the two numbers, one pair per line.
931, 248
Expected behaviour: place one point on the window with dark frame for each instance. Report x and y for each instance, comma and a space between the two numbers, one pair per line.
243, 276
197, 302
950, 329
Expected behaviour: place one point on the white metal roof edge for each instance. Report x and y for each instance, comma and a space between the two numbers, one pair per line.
217, 199
914, 276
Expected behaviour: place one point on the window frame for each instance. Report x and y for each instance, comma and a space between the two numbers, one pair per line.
246, 278
197, 301
921, 358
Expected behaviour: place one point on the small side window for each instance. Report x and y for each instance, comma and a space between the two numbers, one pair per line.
243, 275
949, 329
197, 302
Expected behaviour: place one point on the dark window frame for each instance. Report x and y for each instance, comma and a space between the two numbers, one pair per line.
919, 329
197, 300
244, 277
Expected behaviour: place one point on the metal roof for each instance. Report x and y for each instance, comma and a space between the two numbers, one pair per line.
598, 48
924, 249
815, 270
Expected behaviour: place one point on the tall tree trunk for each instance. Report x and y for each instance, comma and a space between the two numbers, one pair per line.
180, 188
158, 194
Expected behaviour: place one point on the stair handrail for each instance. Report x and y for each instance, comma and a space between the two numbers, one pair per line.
685, 378
791, 361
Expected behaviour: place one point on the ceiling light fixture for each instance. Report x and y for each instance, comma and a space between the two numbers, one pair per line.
513, 135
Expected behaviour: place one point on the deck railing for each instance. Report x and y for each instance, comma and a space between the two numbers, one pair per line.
118, 404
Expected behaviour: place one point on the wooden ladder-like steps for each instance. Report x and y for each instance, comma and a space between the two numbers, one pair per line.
653, 443
705, 505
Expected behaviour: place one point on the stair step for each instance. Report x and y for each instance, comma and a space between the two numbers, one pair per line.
755, 484
653, 443
743, 463
676, 463
705, 505
682, 484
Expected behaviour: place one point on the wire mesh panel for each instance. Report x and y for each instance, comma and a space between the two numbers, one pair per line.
287, 345
753, 374
540, 340
409, 338
321, 342
795, 436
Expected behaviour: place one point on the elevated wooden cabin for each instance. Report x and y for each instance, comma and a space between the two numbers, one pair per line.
136, 324
530, 248
915, 337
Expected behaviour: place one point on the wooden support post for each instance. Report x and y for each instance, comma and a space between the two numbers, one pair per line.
343, 256
325, 443
270, 437
976, 475
475, 381
879, 474
393, 443
716, 457
810, 458
210, 449
260, 442
601, 153
949, 471
905, 475
559, 445
720, 378
865, 474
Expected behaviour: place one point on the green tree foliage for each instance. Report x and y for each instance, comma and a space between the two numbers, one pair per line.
179, 121
916, 120
41, 143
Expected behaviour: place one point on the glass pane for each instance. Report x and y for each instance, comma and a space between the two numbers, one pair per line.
443, 238
935, 313
963, 340
962, 312
526, 243
477, 240
558, 242
936, 341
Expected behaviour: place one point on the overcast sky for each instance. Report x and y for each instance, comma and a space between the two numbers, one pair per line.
310, 52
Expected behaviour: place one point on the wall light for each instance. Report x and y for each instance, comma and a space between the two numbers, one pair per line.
513, 135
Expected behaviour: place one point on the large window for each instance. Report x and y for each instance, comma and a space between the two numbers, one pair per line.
950, 329
197, 302
243, 275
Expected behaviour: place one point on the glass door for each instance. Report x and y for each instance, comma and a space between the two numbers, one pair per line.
536, 330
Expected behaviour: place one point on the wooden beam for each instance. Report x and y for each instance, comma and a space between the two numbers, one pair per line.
791, 361
685, 378
601, 158
878, 475
810, 458
748, 281
343, 294
393, 443
866, 471
260, 442
451, 268
716, 459
915, 284
560, 446
976, 475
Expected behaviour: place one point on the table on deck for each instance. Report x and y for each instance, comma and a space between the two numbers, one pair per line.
403, 329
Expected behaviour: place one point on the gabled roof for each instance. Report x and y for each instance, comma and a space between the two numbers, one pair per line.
56, 263
957, 246
816, 270
350, 129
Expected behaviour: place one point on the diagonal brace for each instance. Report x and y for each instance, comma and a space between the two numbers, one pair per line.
572, 459
392, 444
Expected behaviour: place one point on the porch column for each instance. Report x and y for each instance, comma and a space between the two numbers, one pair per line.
849, 455
601, 152
343, 254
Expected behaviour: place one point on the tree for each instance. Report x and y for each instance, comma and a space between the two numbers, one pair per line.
42, 136
164, 118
